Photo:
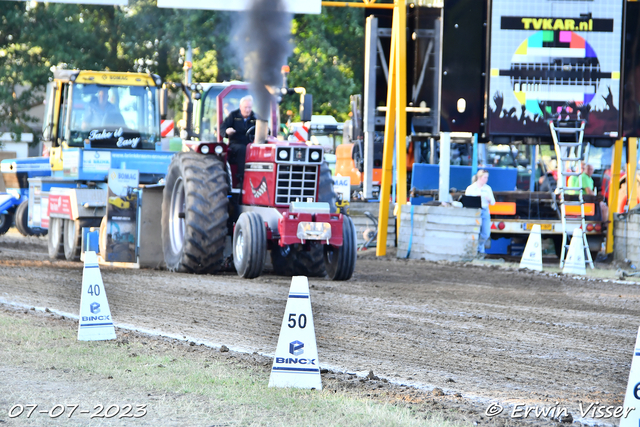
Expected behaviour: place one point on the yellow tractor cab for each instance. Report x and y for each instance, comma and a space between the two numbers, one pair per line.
101, 109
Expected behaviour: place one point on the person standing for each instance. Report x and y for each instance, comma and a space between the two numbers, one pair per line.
582, 181
235, 127
480, 188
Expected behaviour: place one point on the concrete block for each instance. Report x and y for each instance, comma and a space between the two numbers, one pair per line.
442, 210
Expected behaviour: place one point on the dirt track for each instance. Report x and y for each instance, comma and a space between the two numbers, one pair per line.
485, 332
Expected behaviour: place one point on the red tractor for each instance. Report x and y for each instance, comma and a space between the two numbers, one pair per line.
284, 205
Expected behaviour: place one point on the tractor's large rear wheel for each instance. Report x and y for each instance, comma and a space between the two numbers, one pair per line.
55, 238
294, 260
194, 213
340, 261
249, 245
326, 192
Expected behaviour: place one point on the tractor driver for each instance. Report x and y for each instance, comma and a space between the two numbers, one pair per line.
235, 127
101, 111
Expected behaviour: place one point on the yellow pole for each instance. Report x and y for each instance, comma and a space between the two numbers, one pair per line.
632, 162
387, 153
614, 184
401, 108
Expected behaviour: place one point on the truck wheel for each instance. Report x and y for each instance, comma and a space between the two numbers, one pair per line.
341, 261
56, 238
73, 236
6, 220
249, 245
195, 209
294, 260
102, 239
325, 187
22, 221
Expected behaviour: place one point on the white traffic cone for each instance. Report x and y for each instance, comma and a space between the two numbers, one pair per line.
95, 316
630, 416
532, 255
574, 263
296, 360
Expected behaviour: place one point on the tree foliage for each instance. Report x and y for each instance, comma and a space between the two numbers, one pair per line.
327, 58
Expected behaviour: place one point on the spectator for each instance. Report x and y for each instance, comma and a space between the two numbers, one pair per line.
583, 181
480, 188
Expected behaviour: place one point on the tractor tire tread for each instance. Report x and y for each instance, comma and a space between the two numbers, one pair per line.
205, 217
299, 262
326, 192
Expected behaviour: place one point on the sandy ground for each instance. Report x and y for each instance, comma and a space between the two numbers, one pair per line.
480, 333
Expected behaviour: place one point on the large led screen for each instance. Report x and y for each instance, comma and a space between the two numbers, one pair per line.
555, 60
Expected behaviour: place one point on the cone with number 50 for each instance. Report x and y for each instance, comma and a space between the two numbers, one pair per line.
296, 360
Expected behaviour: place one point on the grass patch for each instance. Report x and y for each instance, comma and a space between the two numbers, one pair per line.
185, 385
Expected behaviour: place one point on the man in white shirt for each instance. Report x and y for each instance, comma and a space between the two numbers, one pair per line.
481, 189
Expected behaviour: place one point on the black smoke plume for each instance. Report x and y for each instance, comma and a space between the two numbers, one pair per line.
263, 41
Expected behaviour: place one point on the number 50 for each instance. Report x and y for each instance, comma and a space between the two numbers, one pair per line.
302, 321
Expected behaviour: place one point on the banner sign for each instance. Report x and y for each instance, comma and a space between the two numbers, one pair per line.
555, 60
342, 187
122, 214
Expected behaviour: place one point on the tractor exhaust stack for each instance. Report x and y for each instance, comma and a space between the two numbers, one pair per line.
262, 129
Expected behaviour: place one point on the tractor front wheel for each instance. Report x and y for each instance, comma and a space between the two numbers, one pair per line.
249, 245
340, 261
55, 238
195, 210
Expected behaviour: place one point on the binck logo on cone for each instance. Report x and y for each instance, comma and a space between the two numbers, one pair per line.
296, 348
94, 307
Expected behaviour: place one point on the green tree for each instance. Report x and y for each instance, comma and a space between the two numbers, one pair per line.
328, 59
33, 38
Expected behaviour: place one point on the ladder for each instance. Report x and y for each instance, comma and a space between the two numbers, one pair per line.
567, 140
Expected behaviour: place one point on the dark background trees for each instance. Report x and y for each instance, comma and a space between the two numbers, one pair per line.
327, 58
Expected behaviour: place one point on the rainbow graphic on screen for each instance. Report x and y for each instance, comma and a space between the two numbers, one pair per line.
552, 69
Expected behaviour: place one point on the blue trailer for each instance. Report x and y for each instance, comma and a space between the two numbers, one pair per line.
14, 203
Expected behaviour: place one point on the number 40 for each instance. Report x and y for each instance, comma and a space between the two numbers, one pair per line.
302, 321
94, 290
